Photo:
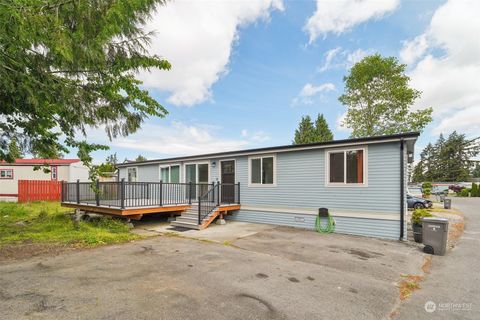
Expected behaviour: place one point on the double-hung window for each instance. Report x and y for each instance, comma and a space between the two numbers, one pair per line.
346, 167
262, 171
6, 174
170, 173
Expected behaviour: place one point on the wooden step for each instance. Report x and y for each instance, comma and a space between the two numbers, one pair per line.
185, 225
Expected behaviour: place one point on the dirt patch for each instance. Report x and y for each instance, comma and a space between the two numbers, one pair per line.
22, 251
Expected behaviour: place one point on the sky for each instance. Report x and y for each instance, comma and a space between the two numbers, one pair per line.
245, 71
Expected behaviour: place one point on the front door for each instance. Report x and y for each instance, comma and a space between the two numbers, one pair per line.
228, 181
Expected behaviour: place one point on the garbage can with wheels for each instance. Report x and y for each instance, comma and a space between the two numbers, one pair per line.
447, 203
435, 235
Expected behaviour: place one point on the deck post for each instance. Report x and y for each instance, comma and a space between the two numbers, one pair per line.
199, 210
190, 192
62, 195
218, 193
122, 194
161, 193
78, 191
97, 193
213, 192
239, 192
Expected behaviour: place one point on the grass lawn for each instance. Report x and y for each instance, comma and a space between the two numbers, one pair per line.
46, 222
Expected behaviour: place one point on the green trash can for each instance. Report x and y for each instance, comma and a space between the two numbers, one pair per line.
435, 235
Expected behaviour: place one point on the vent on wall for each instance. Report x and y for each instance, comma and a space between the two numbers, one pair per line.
299, 219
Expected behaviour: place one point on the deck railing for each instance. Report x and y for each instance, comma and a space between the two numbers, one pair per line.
123, 194
217, 194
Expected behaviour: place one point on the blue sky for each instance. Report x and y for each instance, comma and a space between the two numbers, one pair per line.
244, 72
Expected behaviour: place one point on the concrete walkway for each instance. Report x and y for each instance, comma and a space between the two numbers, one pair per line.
453, 284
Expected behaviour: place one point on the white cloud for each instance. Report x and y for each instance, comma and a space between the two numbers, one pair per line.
338, 58
258, 136
342, 15
356, 56
465, 121
176, 139
339, 123
197, 38
329, 56
414, 49
449, 79
309, 91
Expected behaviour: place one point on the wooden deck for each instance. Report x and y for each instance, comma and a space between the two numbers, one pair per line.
134, 213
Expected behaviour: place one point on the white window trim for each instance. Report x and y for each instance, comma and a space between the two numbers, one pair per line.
6, 177
345, 184
136, 174
262, 185
170, 171
220, 168
196, 170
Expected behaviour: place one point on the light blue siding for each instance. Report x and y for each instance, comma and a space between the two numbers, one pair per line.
301, 183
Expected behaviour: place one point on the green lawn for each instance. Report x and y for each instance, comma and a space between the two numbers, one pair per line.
46, 222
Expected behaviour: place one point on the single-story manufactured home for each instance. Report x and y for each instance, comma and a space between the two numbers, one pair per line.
24, 169
362, 182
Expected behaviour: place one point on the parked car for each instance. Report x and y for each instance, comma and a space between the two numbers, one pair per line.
418, 203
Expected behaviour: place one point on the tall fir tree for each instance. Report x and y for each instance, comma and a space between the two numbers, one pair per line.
322, 131
14, 149
448, 160
305, 132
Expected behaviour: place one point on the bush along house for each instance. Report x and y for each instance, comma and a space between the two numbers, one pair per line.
362, 183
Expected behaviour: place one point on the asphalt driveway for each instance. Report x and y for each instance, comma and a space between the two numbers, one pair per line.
452, 289
277, 273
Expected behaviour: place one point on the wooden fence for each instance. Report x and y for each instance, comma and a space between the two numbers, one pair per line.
39, 190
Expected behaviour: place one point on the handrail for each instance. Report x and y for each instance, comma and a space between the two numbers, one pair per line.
219, 193
123, 194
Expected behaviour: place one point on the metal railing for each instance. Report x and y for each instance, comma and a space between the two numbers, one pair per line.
123, 194
217, 194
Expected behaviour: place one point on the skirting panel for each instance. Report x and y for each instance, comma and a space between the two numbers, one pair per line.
347, 225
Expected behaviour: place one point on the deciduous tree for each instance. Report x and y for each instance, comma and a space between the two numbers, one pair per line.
70, 65
379, 100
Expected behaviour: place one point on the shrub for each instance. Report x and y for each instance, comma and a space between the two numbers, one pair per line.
427, 185
475, 190
463, 193
426, 192
418, 214
456, 188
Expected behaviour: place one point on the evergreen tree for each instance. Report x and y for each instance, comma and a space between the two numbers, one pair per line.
140, 158
322, 131
449, 160
474, 192
14, 150
305, 132
476, 170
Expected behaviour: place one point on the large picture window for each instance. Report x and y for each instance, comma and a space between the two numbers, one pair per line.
346, 167
262, 170
170, 173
